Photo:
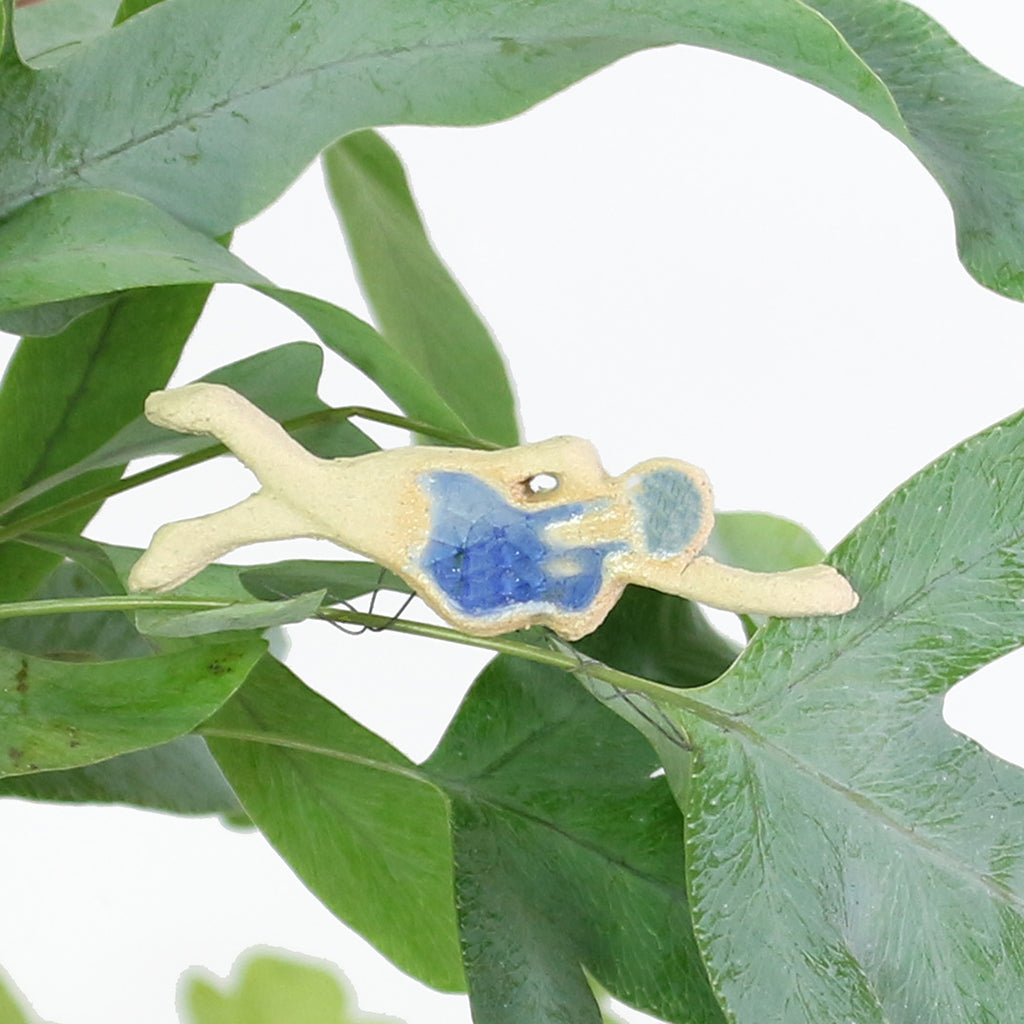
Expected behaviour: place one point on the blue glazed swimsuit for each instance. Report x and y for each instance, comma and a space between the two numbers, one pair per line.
488, 556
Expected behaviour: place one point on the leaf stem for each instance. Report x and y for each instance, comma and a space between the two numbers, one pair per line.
572, 662
108, 603
97, 495
569, 662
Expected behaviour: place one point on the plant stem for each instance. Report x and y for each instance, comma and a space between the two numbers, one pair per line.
109, 603
97, 495
500, 644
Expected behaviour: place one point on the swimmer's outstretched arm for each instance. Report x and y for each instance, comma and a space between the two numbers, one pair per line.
813, 590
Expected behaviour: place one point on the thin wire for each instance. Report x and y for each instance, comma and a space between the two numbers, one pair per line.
666, 727
357, 630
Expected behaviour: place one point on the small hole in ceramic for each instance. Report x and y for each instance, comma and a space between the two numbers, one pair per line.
542, 483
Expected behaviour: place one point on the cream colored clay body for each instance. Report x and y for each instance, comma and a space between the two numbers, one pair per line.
376, 505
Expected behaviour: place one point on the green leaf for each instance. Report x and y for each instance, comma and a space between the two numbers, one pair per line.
12, 1004
341, 581
257, 615
88, 241
63, 397
569, 855
282, 381
59, 714
47, 31
762, 542
385, 364
660, 637
87, 553
416, 302
80, 242
180, 777
274, 988
850, 857
230, 112
358, 822
50, 318
82, 636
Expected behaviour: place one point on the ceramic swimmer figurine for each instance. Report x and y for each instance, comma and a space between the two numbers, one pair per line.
471, 531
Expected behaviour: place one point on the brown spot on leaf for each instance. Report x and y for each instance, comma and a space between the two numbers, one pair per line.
15, 755
21, 677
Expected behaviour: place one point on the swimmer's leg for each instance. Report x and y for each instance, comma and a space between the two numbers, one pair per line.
258, 441
179, 550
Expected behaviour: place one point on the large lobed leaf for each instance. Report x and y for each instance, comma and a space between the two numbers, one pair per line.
536, 831
231, 99
849, 856
568, 855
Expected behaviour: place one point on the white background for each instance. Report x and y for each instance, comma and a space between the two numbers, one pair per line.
685, 255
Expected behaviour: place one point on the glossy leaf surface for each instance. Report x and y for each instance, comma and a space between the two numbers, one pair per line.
362, 826
60, 714
417, 304
229, 108
568, 854
850, 857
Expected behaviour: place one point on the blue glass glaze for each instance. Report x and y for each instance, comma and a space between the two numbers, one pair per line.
488, 556
671, 510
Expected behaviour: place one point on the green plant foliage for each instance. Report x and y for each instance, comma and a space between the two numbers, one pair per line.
761, 543
785, 834
50, 318
80, 242
63, 397
341, 581
85, 636
258, 615
358, 822
12, 1009
46, 31
850, 857
274, 988
83, 241
418, 306
397, 376
660, 637
180, 777
568, 854
61, 714
254, 62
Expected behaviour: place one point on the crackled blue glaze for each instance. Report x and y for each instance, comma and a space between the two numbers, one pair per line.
671, 510
488, 556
